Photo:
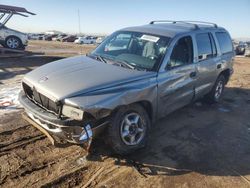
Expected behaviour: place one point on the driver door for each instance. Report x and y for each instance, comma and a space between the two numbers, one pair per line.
176, 83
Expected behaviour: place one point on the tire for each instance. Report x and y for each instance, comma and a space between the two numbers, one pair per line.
13, 42
125, 135
215, 95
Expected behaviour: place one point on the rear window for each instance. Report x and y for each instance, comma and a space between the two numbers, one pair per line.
224, 42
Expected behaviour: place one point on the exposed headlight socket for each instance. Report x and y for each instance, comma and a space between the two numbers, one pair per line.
72, 112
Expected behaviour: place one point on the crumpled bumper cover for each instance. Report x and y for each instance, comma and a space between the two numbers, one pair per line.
60, 129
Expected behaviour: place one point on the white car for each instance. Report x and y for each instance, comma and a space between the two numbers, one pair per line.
85, 40
10, 38
13, 39
99, 40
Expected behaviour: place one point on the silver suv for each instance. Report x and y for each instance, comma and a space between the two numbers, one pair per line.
134, 77
10, 38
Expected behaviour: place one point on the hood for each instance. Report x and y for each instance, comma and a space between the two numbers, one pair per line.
79, 75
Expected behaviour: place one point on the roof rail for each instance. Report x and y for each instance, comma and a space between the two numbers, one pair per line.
201, 22
194, 23
174, 22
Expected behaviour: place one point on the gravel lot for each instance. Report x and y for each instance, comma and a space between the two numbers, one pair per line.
200, 145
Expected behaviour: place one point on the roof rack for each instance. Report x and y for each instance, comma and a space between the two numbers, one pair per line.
201, 22
10, 11
193, 23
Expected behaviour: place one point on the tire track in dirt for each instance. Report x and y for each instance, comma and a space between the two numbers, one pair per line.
6, 147
39, 159
19, 137
26, 154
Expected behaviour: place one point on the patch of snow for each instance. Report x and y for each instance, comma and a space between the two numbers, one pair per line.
9, 99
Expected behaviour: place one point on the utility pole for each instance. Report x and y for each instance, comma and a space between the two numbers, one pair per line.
79, 27
79, 22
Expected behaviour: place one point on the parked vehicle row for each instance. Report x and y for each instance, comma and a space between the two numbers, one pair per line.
67, 38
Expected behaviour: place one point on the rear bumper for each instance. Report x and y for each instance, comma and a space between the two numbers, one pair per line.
69, 130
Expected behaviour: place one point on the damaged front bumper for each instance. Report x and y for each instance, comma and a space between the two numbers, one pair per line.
56, 129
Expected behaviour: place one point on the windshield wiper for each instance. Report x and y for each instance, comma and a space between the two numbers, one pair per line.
97, 57
100, 58
125, 63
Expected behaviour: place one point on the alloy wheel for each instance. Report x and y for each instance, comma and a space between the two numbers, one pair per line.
132, 129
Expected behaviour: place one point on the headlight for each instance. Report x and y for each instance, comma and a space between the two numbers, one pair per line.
72, 112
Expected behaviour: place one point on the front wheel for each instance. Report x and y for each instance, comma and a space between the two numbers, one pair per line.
128, 129
13, 42
216, 93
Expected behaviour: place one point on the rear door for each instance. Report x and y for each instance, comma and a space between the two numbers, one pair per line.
207, 61
177, 79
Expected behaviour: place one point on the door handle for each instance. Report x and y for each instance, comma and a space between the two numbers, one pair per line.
218, 66
192, 74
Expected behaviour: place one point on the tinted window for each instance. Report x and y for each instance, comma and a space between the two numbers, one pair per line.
182, 52
204, 46
224, 42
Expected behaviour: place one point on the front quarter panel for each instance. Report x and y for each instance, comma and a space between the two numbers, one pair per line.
101, 103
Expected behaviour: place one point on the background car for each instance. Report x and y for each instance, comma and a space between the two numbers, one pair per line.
241, 48
13, 39
10, 38
86, 40
49, 37
59, 37
69, 38
99, 40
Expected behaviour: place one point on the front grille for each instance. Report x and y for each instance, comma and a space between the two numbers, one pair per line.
40, 99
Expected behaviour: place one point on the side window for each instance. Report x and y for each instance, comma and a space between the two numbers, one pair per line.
225, 42
204, 46
182, 53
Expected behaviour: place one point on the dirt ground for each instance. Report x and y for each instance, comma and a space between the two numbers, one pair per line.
200, 145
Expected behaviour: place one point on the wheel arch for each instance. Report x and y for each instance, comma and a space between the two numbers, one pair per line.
226, 74
13, 36
145, 104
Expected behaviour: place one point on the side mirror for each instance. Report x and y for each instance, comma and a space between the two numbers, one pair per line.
169, 66
202, 57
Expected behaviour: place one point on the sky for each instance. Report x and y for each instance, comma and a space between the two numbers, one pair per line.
106, 16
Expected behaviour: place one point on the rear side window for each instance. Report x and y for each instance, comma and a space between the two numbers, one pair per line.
225, 42
204, 46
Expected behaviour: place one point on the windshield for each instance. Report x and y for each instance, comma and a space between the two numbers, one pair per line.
143, 51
